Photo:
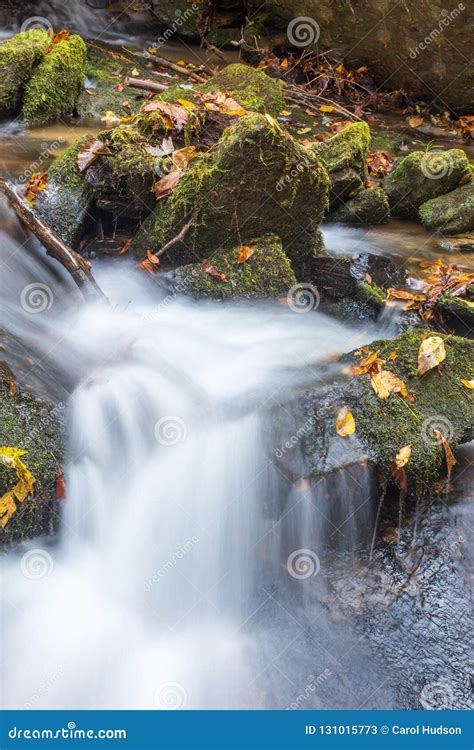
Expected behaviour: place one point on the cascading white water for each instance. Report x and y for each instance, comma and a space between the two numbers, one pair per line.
169, 586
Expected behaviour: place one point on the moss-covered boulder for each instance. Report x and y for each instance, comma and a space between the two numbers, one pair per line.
32, 425
384, 426
122, 176
345, 158
452, 213
423, 175
18, 57
367, 207
53, 90
66, 202
256, 180
253, 89
266, 273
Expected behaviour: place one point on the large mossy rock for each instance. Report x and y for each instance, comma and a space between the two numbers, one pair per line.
266, 273
237, 191
32, 425
383, 427
66, 202
18, 57
53, 90
367, 207
345, 158
423, 175
452, 213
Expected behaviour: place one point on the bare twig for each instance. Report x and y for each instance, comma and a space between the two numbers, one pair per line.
174, 66
142, 83
174, 241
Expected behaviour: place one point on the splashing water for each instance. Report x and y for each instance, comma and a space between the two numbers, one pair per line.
183, 556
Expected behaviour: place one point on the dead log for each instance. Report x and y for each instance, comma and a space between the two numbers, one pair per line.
75, 264
142, 83
164, 63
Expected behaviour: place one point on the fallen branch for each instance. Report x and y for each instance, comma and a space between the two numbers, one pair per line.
164, 63
295, 94
178, 238
74, 263
142, 83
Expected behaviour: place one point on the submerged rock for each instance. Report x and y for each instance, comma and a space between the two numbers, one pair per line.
34, 426
256, 180
18, 57
66, 202
367, 207
421, 176
452, 213
345, 158
54, 88
266, 273
384, 426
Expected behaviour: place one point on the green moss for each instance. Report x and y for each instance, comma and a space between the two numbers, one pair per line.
53, 90
234, 193
252, 88
452, 213
423, 175
373, 294
267, 273
31, 424
18, 56
367, 207
67, 201
345, 158
440, 402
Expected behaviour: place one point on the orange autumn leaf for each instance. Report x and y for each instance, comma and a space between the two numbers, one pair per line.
207, 267
150, 264
430, 354
245, 253
36, 182
345, 422
450, 460
124, 249
385, 382
162, 188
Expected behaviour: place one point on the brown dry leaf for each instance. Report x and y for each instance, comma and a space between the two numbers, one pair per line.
402, 457
177, 116
431, 353
182, 157
415, 121
385, 382
89, 153
371, 361
124, 249
61, 35
150, 264
468, 383
245, 253
162, 188
207, 267
36, 182
400, 477
345, 422
380, 163
12, 389
400, 294
450, 460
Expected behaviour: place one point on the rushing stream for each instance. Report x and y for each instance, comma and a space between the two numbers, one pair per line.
189, 573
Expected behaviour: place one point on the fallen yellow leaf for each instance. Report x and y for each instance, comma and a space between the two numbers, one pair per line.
245, 253
468, 383
10, 458
430, 354
402, 457
450, 460
345, 422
